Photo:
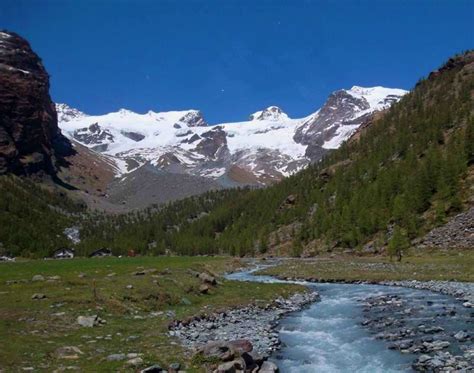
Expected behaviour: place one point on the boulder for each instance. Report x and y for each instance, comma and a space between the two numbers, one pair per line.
220, 350
204, 289
234, 366
241, 345
206, 278
37, 278
90, 321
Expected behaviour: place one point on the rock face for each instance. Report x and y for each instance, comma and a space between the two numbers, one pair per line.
30, 140
458, 233
342, 114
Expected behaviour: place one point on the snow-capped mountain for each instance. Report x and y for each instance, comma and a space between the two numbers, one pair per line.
265, 148
67, 113
341, 115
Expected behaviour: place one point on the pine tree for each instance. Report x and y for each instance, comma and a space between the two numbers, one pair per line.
398, 243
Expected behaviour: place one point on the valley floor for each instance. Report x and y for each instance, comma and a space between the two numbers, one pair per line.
427, 265
138, 298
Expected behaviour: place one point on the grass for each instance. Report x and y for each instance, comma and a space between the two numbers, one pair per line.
425, 266
137, 319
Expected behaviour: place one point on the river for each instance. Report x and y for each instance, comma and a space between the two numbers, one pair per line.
328, 335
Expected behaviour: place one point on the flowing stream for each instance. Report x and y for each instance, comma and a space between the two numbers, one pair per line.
328, 335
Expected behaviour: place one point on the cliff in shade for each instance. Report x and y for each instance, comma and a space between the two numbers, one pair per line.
30, 140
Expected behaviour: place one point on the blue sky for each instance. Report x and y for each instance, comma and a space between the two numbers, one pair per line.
230, 58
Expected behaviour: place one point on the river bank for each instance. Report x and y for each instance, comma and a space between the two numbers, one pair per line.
254, 323
400, 321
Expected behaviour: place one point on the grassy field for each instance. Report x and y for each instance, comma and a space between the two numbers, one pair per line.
137, 309
429, 265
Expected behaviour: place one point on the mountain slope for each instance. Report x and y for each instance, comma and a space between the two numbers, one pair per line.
404, 174
267, 147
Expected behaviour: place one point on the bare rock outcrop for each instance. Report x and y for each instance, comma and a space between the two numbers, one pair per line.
30, 140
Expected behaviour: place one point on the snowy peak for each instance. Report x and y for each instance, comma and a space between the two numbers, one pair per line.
378, 98
193, 118
67, 113
266, 148
273, 113
340, 116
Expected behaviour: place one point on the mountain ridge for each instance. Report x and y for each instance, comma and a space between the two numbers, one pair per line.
268, 146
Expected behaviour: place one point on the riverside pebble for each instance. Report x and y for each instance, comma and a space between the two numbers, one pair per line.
411, 327
253, 323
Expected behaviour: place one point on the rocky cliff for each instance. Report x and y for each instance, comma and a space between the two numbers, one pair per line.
30, 140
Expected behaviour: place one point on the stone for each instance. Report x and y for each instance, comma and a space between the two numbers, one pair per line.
116, 357
235, 366
433, 329
38, 296
256, 357
186, 301
174, 367
204, 277
37, 278
90, 321
204, 289
218, 350
461, 336
241, 345
136, 362
268, 367
152, 369
68, 352
129, 287
424, 358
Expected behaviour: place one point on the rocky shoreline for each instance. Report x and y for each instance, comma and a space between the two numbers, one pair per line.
418, 327
255, 324
462, 291
387, 315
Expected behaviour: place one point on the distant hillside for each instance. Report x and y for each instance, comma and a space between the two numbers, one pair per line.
405, 173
